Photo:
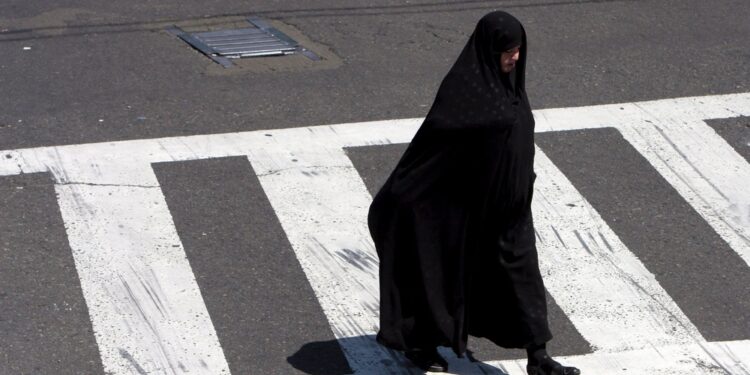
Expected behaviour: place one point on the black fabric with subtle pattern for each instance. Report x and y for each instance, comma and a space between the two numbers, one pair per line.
452, 224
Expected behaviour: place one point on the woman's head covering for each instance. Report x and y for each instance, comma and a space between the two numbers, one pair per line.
475, 92
496, 33
479, 115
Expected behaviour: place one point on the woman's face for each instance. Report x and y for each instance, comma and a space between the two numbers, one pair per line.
508, 59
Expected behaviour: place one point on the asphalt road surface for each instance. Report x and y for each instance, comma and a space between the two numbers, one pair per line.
161, 214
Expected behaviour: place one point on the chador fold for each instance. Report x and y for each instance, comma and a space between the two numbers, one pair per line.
452, 225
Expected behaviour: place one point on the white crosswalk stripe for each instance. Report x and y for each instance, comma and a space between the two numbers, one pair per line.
140, 289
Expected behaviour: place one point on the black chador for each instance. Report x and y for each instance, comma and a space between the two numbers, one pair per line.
452, 225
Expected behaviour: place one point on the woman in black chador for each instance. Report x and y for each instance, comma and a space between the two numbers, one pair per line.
452, 225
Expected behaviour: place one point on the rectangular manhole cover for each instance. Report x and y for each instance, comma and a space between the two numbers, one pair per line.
260, 39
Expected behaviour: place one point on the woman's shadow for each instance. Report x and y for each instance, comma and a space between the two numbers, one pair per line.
327, 358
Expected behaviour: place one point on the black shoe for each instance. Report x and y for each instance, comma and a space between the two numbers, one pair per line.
551, 367
428, 360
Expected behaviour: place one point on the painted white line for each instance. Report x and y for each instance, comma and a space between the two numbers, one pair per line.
733, 355
609, 295
632, 114
323, 208
690, 359
145, 306
707, 172
128, 237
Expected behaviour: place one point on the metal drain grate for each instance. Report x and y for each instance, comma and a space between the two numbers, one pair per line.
260, 40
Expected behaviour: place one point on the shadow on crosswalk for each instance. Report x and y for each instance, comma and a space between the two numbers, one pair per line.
325, 358
320, 358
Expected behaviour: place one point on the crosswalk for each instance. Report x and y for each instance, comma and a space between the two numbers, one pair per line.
149, 315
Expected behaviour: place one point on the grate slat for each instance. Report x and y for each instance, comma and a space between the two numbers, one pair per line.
219, 40
250, 44
244, 41
219, 33
253, 50
259, 37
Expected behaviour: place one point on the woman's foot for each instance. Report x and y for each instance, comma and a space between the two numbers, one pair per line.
427, 360
540, 363
551, 367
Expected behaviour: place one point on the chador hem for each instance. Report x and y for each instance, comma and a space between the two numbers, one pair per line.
519, 344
